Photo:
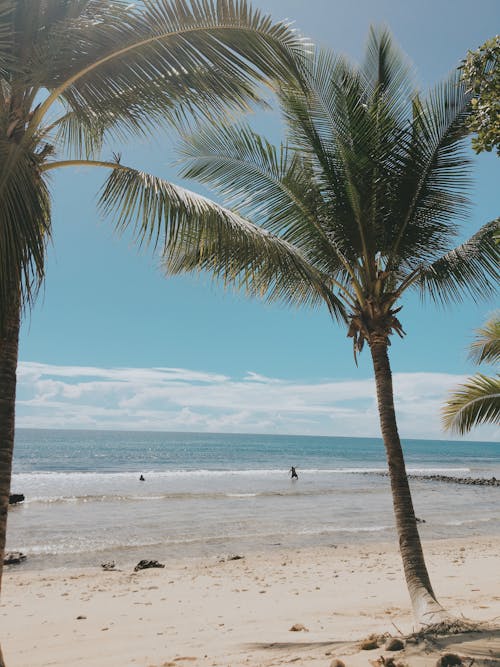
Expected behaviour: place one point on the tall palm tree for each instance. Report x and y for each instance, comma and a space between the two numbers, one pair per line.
478, 400
78, 74
358, 207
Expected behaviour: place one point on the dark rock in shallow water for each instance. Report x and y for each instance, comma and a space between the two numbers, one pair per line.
14, 558
145, 564
15, 498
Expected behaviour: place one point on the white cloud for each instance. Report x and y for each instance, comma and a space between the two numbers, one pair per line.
178, 399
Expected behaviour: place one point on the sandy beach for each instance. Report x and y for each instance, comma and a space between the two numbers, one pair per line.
229, 613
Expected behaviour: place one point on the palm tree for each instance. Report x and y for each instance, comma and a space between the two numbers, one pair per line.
355, 209
78, 74
478, 400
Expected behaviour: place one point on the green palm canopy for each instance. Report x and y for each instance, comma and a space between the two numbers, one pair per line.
360, 204
78, 73
478, 400
78, 76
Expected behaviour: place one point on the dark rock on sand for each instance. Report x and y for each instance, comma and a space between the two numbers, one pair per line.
108, 565
337, 663
14, 558
448, 660
15, 498
145, 564
368, 644
298, 627
394, 644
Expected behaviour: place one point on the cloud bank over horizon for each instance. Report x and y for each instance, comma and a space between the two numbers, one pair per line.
178, 399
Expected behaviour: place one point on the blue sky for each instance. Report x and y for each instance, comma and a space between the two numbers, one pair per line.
230, 364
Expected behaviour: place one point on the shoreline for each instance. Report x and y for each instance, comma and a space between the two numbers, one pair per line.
208, 612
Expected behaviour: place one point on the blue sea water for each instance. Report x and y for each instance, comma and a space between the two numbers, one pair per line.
211, 494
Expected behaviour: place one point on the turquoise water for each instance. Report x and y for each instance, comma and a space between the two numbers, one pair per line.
212, 494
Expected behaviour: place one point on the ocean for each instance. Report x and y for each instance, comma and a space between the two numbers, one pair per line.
210, 495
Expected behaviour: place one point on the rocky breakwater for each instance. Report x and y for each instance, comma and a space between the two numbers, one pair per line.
472, 481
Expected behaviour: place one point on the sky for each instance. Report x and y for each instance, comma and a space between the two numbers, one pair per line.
112, 343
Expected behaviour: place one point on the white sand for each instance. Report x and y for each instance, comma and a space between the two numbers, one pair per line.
239, 613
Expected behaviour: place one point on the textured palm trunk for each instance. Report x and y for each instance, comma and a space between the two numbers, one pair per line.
426, 608
9, 343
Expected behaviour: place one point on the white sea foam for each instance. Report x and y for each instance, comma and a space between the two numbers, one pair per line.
251, 472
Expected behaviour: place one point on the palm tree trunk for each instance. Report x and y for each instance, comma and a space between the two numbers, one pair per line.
9, 344
426, 608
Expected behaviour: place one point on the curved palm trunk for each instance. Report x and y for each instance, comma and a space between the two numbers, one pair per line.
426, 608
9, 343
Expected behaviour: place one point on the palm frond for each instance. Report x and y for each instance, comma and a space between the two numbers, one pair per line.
273, 187
389, 77
470, 269
433, 176
328, 117
486, 346
475, 402
24, 224
207, 54
247, 170
6, 11
198, 234
76, 134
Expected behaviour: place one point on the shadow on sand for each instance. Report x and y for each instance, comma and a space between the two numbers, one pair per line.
480, 649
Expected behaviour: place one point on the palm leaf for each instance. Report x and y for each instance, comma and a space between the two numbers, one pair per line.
486, 347
204, 53
77, 134
389, 77
470, 269
475, 402
433, 176
6, 11
199, 234
24, 224
273, 187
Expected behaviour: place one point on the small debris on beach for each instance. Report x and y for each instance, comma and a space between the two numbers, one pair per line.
394, 644
81, 618
448, 660
298, 627
368, 645
108, 565
14, 558
387, 662
224, 559
337, 663
145, 564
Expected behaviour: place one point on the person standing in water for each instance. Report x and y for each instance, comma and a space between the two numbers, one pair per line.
294, 473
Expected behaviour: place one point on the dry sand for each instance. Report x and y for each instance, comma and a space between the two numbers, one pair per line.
238, 613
